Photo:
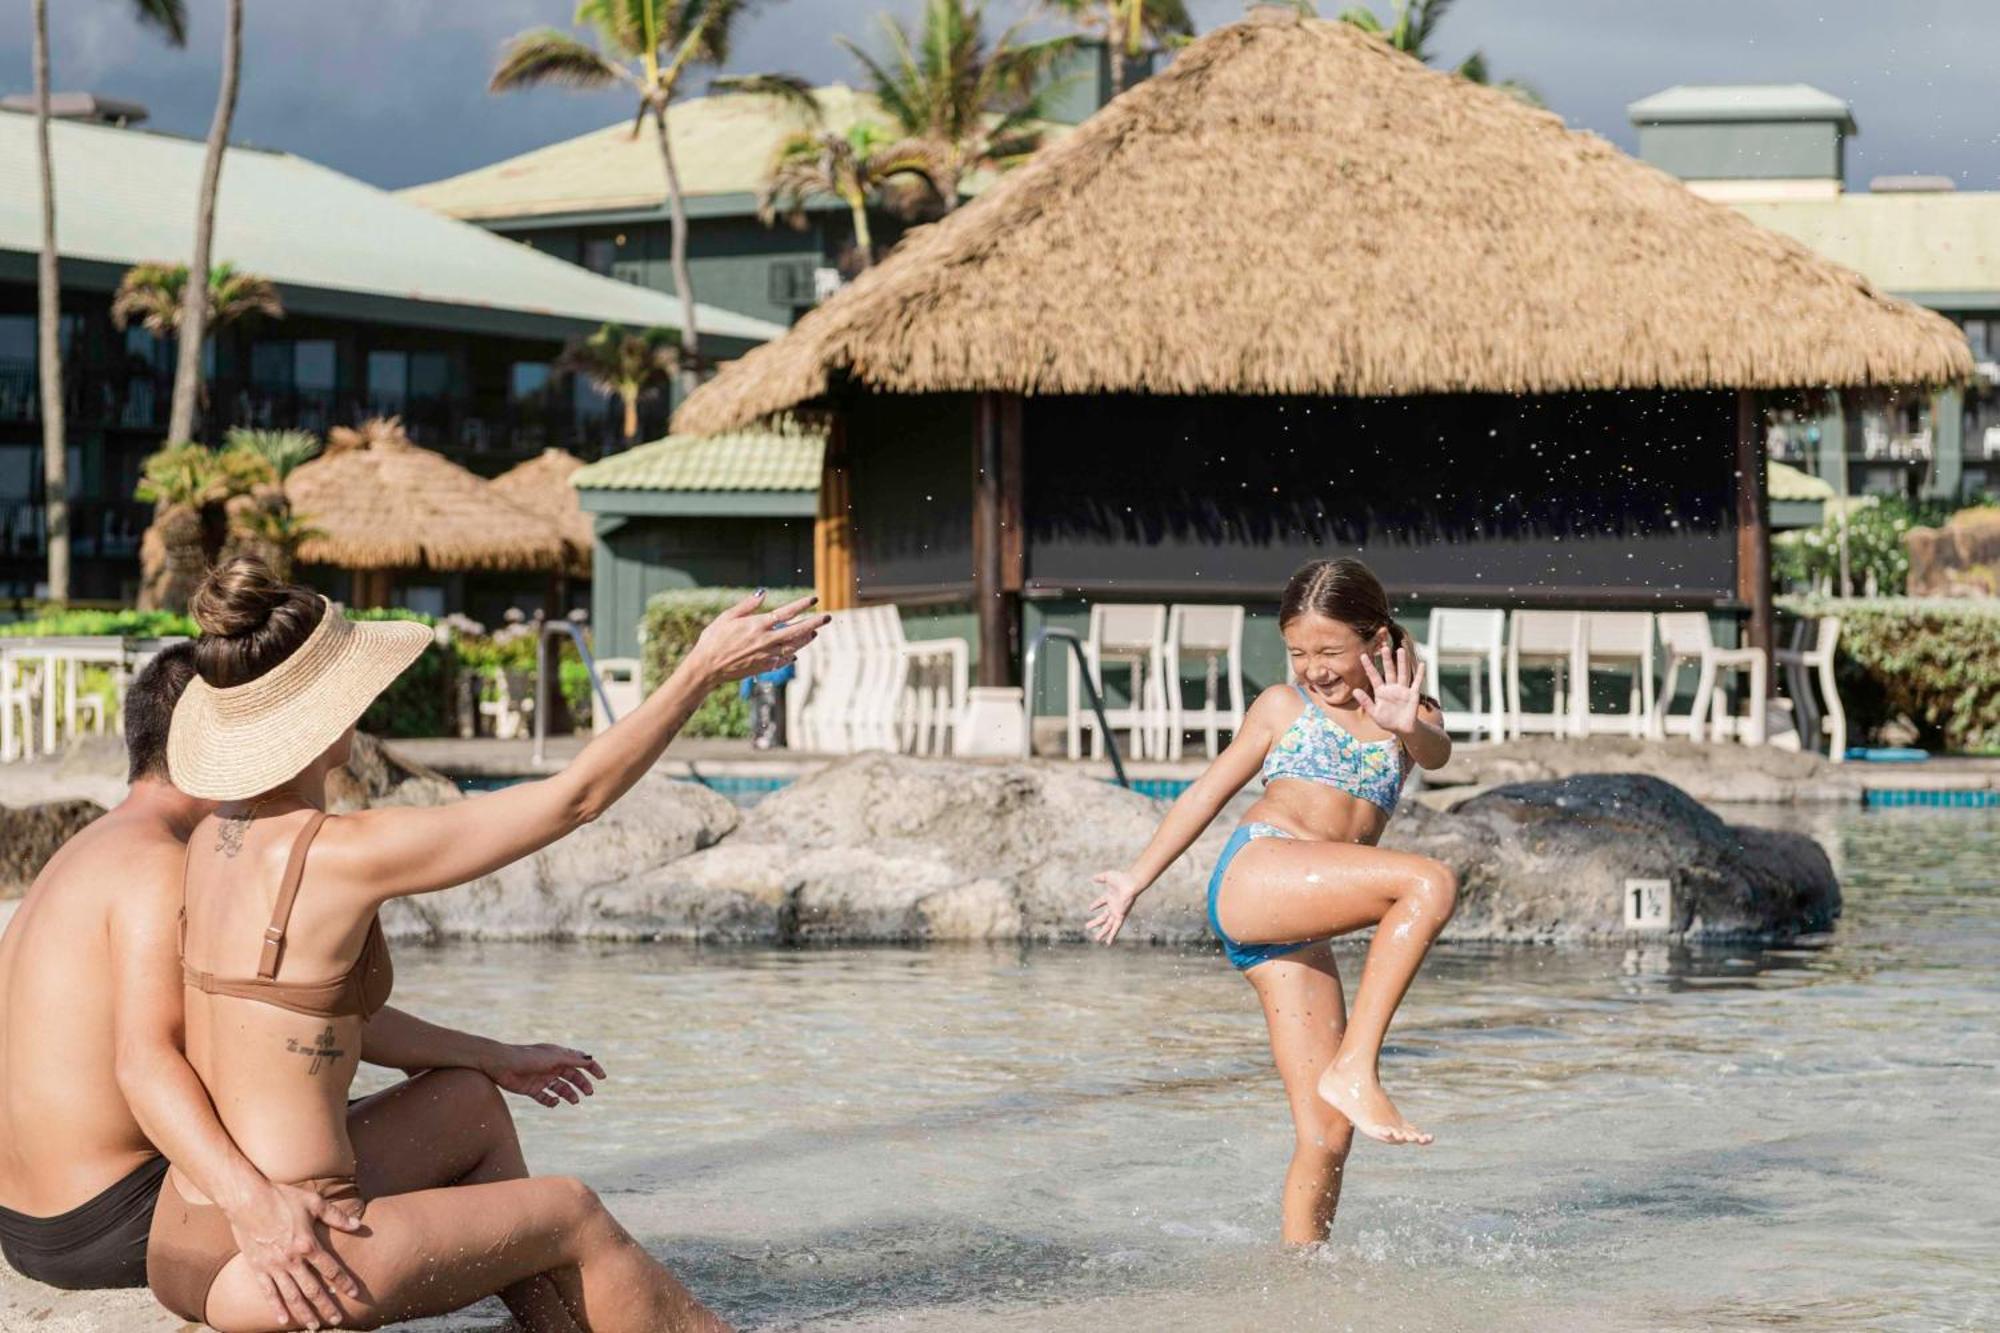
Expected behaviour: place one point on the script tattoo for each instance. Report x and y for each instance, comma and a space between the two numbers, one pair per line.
322, 1053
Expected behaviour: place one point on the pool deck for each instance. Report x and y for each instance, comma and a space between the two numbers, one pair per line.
1706, 772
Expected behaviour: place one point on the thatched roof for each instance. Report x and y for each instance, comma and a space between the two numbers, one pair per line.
381, 502
1293, 207
542, 484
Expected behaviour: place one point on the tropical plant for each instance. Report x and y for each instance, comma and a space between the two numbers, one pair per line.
212, 503
155, 295
283, 450
170, 17
856, 164
1410, 29
1126, 26
978, 103
625, 362
664, 38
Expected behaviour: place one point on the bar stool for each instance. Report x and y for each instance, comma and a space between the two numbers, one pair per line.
1618, 639
1551, 641
1471, 639
1797, 662
1688, 639
1213, 634
1132, 636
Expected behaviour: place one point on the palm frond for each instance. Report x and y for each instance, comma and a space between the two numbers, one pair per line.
233, 294
548, 56
169, 16
282, 450
790, 89
624, 25
1359, 16
151, 294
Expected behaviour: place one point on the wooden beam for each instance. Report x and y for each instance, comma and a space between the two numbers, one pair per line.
833, 523
1753, 522
996, 436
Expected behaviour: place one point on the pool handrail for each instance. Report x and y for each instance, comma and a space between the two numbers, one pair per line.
542, 673
1075, 643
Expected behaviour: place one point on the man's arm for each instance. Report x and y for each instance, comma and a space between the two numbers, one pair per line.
399, 1040
272, 1224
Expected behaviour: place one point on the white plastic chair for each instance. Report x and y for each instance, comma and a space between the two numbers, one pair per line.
623, 690
1621, 640
1133, 636
1550, 641
1213, 635
512, 705
862, 685
1474, 640
1819, 660
20, 705
1688, 638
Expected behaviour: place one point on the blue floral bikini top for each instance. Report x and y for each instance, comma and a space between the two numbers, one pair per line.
1315, 748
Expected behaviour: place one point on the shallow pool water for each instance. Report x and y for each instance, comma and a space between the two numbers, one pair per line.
1073, 1139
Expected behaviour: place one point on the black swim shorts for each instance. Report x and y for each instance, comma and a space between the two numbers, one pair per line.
99, 1243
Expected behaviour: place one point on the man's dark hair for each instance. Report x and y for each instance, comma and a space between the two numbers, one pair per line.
149, 710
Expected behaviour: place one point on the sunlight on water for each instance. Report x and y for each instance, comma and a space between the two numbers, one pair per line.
1068, 1139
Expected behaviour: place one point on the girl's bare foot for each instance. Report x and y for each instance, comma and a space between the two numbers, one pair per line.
1352, 1088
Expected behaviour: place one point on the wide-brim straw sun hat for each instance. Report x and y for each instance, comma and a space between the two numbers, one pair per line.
233, 743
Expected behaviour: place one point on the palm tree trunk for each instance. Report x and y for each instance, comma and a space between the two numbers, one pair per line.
864, 240
1114, 47
48, 343
630, 397
678, 256
194, 301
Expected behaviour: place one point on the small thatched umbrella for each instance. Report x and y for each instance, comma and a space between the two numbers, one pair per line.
542, 484
381, 503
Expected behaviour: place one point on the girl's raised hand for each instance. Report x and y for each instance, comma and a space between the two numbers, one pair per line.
1108, 913
1394, 691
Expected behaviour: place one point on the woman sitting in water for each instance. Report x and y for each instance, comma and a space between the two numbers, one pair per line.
284, 961
1334, 749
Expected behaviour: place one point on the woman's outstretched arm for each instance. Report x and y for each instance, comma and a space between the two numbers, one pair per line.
394, 852
1192, 811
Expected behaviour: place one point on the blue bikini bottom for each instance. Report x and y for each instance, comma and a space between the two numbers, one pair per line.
1245, 956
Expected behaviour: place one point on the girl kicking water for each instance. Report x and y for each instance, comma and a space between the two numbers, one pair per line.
1334, 748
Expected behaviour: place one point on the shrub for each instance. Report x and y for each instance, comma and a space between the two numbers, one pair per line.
418, 702
1934, 661
132, 624
1877, 561
673, 621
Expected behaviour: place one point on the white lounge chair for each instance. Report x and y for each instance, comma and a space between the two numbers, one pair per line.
862, 685
1474, 640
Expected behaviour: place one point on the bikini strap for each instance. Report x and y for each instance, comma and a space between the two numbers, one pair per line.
288, 892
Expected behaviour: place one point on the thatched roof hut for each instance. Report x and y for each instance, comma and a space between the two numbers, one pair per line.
1294, 208
380, 502
542, 484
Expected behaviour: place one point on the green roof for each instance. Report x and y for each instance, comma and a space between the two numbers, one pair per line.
1705, 103
334, 245
782, 459
1942, 249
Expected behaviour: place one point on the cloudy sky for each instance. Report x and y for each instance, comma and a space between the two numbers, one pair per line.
393, 91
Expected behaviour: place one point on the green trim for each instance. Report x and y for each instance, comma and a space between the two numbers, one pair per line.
733, 204
708, 504
1961, 300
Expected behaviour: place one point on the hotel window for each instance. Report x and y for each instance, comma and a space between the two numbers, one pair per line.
599, 254
394, 378
1979, 333
528, 379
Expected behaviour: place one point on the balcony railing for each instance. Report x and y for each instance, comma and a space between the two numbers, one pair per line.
139, 399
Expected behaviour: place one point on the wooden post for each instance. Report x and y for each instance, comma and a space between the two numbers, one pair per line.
1753, 523
833, 525
997, 549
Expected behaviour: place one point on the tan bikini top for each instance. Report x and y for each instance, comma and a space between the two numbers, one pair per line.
359, 991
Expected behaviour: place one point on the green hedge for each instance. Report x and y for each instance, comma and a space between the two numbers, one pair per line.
132, 624
1935, 661
1810, 557
673, 621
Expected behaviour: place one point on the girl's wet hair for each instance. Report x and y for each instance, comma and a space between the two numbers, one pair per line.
250, 621
1348, 591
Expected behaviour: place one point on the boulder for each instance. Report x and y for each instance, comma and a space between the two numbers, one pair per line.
1960, 559
378, 774
30, 836
555, 891
888, 848
1753, 774
1548, 861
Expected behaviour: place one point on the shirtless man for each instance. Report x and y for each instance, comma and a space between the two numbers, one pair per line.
92, 1074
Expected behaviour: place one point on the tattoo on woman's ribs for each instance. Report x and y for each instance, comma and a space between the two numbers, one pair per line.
322, 1053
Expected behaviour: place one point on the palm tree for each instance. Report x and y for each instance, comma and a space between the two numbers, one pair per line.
156, 295
170, 17
976, 103
1125, 26
209, 504
1410, 32
854, 165
618, 360
665, 38
281, 450
194, 313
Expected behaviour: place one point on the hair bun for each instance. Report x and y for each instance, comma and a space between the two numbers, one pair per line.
237, 597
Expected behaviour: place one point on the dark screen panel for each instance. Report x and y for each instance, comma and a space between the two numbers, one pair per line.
1584, 495
912, 493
